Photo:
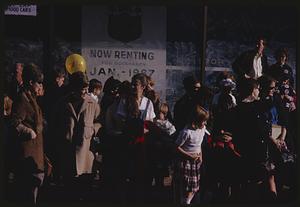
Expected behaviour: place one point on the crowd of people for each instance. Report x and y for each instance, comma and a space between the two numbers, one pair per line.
241, 137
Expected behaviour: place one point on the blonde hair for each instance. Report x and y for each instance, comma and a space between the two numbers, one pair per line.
164, 108
199, 115
7, 105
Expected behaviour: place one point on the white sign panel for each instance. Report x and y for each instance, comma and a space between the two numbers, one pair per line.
21, 10
121, 42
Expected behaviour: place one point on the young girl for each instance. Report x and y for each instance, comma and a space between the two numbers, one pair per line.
163, 122
95, 87
287, 93
189, 147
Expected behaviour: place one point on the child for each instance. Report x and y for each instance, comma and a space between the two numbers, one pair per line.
287, 93
162, 122
160, 144
95, 87
189, 147
227, 87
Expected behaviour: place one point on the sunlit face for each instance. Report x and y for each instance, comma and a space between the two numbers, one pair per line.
84, 92
161, 116
19, 68
97, 91
271, 89
260, 46
255, 93
37, 88
197, 87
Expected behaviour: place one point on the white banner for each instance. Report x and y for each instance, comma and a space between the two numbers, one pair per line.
21, 10
121, 42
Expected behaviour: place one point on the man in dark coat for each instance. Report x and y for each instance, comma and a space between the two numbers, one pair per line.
184, 105
252, 63
281, 69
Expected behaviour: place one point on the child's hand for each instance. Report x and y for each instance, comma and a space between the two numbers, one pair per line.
292, 106
196, 156
289, 98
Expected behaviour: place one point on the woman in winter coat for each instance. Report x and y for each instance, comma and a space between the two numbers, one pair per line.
77, 122
27, 121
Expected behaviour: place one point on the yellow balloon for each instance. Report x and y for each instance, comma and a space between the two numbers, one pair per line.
75, 63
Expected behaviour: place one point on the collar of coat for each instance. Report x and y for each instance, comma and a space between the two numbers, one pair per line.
88, 100
38, 114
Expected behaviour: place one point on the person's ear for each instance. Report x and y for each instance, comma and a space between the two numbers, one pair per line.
31, 82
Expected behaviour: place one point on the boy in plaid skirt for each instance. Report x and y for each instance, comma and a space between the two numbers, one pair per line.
190, 156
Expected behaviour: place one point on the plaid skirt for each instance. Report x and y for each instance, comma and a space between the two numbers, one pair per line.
188, 174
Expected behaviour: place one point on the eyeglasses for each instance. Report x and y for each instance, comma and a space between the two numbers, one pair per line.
272, 88
40, 82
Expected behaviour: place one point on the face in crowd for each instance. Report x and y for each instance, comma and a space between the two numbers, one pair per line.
197, 87
260, 46
255, 92
272, 88
60, 80
282, 59
37, 88
19, 68
83, 92
137, 86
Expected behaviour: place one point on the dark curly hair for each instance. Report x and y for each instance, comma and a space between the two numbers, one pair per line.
31, 72
279, 52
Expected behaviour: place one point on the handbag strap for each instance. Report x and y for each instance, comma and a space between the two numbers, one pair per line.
144, 114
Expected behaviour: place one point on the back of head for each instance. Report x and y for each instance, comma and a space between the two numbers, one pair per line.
283, 78
111, 84
125, 88
198, 115
78, 80
58, 72
31, 73
189, 82
246, 88
140, 77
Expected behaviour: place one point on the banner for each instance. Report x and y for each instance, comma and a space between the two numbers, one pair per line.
124, 41
21, 10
